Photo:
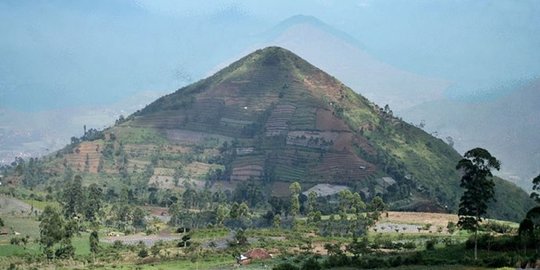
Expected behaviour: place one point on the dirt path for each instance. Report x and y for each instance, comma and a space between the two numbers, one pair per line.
148, 240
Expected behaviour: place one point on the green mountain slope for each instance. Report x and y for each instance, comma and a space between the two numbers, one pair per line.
272, 118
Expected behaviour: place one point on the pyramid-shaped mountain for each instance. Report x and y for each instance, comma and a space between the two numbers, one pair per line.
273, 118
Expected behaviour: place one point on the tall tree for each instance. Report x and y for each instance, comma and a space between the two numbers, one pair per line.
477, 180
139, 218
536, 189
295, 202
221, 214
94, 243
243, 210
376, 207
93, 202
312, 201
73, 199
51, 230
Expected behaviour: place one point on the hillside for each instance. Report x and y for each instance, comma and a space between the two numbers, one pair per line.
272, 118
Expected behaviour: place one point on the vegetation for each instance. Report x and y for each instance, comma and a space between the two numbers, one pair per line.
479, 189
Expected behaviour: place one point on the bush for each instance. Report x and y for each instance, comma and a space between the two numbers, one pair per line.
497, 227
451, 227
375, 262
498, 261
336, 260
15, 241
311, 264
117, 244
430, 244
285, 266
143, 253
396, 261
500, 243
409, 245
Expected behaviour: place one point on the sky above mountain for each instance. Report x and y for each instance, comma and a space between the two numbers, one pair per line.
71, 53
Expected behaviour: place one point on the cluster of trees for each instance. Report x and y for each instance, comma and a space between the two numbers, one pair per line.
31, 172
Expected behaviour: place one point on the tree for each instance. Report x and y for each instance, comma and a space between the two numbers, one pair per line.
221, 214
312, 201
526, 232
50, 230
295, 188
295, 205
94, 243
178, 173
93, 202
358, 247
243, 210
73, 198
376, 208
536, 189
295, 202
357, 203
175, 210
234, 210
276, 221
241, 238
139, 218
479, 189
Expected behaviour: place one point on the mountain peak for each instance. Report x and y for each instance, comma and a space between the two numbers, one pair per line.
276, 56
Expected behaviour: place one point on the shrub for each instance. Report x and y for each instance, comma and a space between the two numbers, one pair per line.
311, 264
497, 227
499, 243
409, 245
285, 266
15, 241
117, 244
451, 227
143, 253
430, 244
497, 261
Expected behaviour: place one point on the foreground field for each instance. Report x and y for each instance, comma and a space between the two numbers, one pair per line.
395, 235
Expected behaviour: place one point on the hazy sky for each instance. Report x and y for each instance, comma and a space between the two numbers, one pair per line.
55, 54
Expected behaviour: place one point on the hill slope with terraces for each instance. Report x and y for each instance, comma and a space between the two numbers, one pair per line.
273, 118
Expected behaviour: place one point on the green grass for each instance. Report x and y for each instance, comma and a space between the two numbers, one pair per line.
41, 204
426, 267
206, 261
12, 250
23, 225
209, 234
80, 243
130, 135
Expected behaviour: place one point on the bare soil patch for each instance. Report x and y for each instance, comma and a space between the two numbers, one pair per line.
327, 121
